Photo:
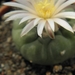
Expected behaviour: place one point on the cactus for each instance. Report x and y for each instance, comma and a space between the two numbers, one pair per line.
44, 50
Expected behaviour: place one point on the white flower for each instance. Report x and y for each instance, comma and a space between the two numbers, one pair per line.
43, 13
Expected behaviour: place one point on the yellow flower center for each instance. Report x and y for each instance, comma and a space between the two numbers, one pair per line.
45, 8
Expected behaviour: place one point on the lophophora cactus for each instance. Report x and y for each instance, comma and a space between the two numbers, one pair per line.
42, 34
44, 50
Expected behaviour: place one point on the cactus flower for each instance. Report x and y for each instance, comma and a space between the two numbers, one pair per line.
45, 14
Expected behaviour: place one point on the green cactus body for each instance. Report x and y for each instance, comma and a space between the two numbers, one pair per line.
44, 50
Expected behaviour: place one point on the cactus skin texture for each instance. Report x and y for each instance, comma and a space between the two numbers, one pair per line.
44, 50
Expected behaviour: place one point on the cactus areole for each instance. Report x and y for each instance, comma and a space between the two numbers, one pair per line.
45, 51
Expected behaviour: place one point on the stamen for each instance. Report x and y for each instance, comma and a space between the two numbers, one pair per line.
45, 8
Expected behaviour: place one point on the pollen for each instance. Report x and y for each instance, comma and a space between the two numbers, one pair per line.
45, 8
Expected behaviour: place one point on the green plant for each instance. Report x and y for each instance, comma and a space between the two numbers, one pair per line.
44, 50
42, 34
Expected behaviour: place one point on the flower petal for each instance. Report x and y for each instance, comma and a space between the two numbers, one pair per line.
27, 18
16, 16
25, 2
13, 12
56, 27
71, 17
19, 6
40, 27
64, 24
59, 2
49, 30
36, 21
51, 23
64, 5
27, 28
22, 1
65, 14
